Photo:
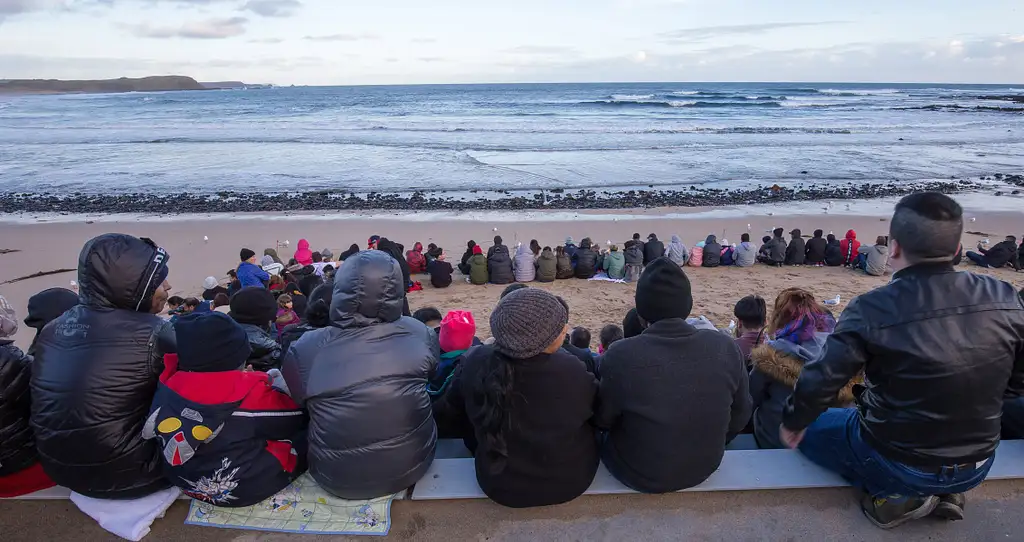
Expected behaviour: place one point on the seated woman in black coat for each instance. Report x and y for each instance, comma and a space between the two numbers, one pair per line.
526, 406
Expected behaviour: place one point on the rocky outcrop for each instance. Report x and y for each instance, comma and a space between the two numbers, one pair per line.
124, 84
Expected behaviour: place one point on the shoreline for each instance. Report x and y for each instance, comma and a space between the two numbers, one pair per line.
555, 199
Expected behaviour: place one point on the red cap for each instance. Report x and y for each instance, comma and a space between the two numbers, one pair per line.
478, 250
457, 331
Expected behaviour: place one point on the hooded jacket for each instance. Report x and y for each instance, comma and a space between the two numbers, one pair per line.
250, 274
266, 352
1001, 254
17, 445
478, 270
547, 266
273, 255
877, 259
303, 255
440, 273
777, 250
524, 265
746, 254
45, 307
96, 370
815, 251
464, 264
570, 250
653, 250
849, 247
585, 260
676, 251
796, 253
499, 265
563, 266
833, 253
615, 265
363, 381
712, 252
417, 262
634, 253
252, 434
394, 249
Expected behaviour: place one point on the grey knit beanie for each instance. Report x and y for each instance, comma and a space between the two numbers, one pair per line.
527, 321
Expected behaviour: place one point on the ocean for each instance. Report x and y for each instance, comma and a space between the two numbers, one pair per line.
462, 138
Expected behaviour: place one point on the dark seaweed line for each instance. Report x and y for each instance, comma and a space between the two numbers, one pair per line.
328, 200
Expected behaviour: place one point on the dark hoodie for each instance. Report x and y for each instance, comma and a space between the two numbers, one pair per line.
45, 307
815, 251
499, 265
833, 252
653, 250
585, 260
464, 265
777, 249
796, 253
395, 250
352, 250
712, 252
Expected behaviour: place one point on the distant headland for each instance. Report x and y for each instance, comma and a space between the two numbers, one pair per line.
123, 84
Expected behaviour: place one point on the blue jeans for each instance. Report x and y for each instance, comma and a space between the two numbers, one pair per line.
861, 262
976, 258
834, 442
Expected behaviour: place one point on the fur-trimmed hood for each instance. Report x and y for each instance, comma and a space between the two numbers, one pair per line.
785, 369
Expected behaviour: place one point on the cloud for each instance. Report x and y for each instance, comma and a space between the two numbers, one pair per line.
541, 50
272, 8
702, 33
424, 40
209, 29
270, 41
342, 37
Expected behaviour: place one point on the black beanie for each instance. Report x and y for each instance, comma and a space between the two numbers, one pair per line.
663, 292
210, 342
253, 305
246, 254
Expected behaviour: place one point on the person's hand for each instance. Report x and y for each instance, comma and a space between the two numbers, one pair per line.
790, 438
248, 369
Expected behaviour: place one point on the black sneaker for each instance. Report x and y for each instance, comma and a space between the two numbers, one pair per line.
888, 514
951, 507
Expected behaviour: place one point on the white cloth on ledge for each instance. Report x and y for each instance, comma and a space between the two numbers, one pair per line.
129, 519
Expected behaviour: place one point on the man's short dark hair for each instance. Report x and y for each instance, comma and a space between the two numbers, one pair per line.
778, 232
580, 337
497, 240
751, 311
818, 233
1011, 239
636, 236
609, 334
428, 314
192, 302
511, 288
745, 238
928, 226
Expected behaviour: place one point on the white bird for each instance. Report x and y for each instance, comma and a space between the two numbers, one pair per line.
847, 206
771, 214
206, 239
748, 227
286, 242
615, 220
495, 229
974, 219
608, 242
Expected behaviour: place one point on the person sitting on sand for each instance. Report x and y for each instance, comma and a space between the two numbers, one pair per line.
255, 309
632, 325
653, 249
315, 315
96, 369
525, 264
650, 447
547, 266
353, 249
499, 264
563, 264
585, 260
250, 274
221, 303
175, 306
20, 471
498, 242
796, 252
610, 334
211, 288
815, 251
798, 331
457, 334
433, 253
997, 257
874, 259
712, 252
464, 267
677, 252
285, 314
579, 337
440, 271
697, 255
363, 381
430, 316
833, 252
238, 426
303, 255
850, 248
268, 264
45, 307
643, 246
935, 381
615, 264
478, 273
529, 406
417, 261
751, 312
764, 253
745, 254
570, 248
634, 258
777, 248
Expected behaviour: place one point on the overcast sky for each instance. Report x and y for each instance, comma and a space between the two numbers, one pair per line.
473, 41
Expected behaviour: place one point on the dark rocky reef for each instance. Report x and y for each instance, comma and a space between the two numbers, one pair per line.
124, 84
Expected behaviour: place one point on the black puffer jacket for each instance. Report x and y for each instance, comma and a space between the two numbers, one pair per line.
586, 261
816, 249
266, 352
833, 253
17, 447
938, 349
796, 252
499, 266
364, 382
95, 373
712, 252
653, 250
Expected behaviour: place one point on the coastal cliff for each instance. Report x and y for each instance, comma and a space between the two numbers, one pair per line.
124, 84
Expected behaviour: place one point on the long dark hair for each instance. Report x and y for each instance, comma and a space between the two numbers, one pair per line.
494, 393
535, 247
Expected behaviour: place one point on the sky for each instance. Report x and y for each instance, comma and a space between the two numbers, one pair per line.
341, 42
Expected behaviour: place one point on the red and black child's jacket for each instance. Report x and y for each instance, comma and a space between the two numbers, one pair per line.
228, 438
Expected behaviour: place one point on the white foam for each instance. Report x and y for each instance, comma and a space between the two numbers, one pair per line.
631, 97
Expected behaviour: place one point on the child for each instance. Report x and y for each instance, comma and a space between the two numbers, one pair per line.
430, 316
417, 262
175, 305
580, 338
751, 312
455, 337
190, 305
227, 437
285, 314
563, 264
440, 271
610, 333
697, 255
478, 273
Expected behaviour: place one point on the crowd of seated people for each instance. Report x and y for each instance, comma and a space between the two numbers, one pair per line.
116, 402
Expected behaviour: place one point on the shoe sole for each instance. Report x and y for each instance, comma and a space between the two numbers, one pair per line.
924, 510
948, 511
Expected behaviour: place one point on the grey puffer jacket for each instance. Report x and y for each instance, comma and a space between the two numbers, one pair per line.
499, 266
677, 252
524, 264
363, 381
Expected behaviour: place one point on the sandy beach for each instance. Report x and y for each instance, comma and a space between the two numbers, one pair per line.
45, 243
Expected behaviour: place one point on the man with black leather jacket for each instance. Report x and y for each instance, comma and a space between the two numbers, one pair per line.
937, 348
